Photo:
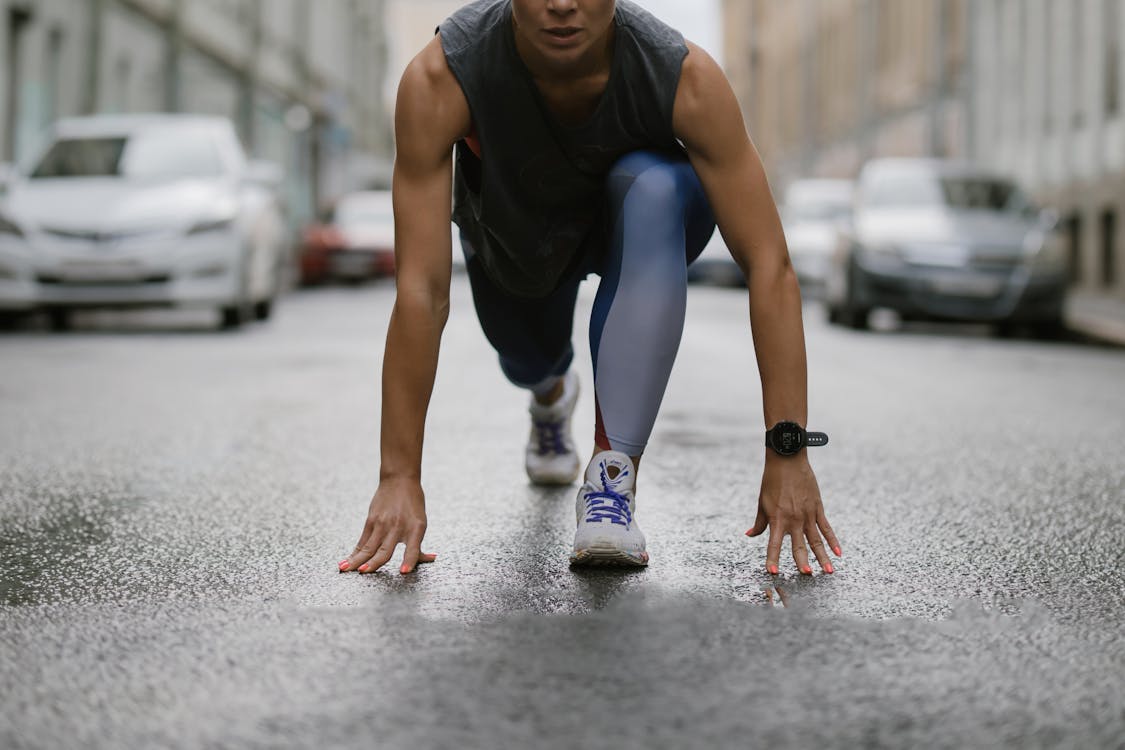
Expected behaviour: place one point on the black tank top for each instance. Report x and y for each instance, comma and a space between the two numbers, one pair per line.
532, 205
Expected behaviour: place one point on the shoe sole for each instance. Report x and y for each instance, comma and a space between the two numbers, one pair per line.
607, 557
557, 480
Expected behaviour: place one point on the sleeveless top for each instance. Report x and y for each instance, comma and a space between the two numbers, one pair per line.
532, 204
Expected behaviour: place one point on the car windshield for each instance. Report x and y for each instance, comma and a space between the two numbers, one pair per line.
146, 155
916, 189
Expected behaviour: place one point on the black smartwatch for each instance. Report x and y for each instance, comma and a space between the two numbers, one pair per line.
789, 438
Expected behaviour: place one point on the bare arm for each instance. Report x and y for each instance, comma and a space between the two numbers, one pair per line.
430, 116
709, 122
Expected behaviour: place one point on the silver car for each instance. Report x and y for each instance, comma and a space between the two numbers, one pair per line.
142, 210
935, 239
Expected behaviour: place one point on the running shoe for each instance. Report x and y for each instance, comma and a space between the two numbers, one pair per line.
551, 457
608, 533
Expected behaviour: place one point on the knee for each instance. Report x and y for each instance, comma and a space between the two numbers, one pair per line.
649, 180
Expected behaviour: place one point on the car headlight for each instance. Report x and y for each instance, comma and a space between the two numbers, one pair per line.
213, 224
7, 226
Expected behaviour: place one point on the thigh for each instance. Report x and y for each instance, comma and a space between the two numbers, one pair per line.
662, 186
520, 328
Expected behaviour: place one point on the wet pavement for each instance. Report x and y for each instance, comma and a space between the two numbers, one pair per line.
173, 502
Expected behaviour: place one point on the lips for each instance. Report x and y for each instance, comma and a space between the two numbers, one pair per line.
563, 34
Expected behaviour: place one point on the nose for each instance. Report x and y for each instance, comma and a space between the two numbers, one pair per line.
562, 7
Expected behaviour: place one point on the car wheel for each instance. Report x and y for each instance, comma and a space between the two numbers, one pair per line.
855, 317
1006, 329
242, 309
231, 317
853, 314
263, 309
1052, 329
59, 319
9, 319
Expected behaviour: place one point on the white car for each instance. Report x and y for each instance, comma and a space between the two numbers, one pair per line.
142, 210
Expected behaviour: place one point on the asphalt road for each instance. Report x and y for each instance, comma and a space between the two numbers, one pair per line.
173, 502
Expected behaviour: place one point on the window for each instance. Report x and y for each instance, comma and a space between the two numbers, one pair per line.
1109, 237
1074, 244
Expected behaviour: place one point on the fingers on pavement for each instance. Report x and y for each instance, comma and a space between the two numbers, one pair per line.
800, 552
760, 523
816, 544
773, 549
829, 534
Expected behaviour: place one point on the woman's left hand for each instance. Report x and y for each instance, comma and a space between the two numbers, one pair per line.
789, 503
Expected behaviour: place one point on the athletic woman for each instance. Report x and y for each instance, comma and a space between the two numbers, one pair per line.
578, 137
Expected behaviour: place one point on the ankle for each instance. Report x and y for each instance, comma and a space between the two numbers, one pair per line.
598, 449
551, 395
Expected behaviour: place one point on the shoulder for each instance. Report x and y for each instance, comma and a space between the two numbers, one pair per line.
428, 71
429, 95
706, 115
701, 79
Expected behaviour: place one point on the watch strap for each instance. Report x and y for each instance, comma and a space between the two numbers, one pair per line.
813, 439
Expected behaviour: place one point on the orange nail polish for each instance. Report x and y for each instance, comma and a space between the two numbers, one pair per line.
343, 565
404, 569
837, 551
363, 568
772, 569
828, 569
806, 571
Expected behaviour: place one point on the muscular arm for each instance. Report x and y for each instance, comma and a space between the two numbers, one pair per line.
431, 114
707, 119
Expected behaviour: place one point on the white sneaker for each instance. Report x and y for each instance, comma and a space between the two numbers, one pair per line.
608, 533
551, 457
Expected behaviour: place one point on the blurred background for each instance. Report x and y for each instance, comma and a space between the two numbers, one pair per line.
1027, 89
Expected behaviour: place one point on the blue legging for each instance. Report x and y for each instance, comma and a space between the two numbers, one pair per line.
660, 221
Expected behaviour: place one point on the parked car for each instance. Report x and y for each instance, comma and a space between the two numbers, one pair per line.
715, 265
936, 239
354, 240
811, 214
142, 210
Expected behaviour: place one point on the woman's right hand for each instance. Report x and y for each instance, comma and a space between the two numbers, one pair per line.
397, 516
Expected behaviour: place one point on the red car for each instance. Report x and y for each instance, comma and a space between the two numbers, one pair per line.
355, 241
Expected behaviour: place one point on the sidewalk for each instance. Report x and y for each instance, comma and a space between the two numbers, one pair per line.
1095, 315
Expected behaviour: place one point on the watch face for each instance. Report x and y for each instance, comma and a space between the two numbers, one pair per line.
787, 438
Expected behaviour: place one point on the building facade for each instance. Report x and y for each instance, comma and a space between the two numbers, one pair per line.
1033, 88
1049, 98
827, 84
302, 79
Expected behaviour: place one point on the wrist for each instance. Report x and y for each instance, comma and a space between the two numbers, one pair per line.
775, 458
400, 474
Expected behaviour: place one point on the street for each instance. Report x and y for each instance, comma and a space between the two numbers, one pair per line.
173, 502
